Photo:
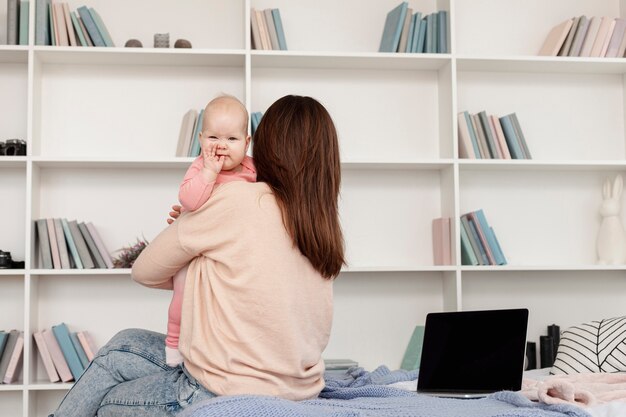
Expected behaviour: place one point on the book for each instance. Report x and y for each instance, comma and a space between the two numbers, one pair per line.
442, 26
271, 28
3, 341
44, 244
393, 28
62, 335
84, 30
254, 30
480, 137
491, 241
44, 353
106, 256
421, 36
590, 37
616, 38
71, 245
263, 30
195, 142
79, 31
468, 257
472, 133
60, 364
486, 130
71, 35
54, 245
622, 47
14, 366
607, 39
88, 344
52, 25
280, 32
404, 35
579, 37
413, 352
42, 24
90, 25
555, 39
441, 241
64, 255
8, 351
91, 245
497, 127
511, 138
603, 31
60, 25
79, 350
466, 147
102, 29
475, 244
520, 136
417, 17
81, 245
13, 16
186, 132
570, 37
431, 31
23, 26
482, 236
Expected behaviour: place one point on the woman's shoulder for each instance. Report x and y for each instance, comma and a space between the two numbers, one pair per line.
241, 193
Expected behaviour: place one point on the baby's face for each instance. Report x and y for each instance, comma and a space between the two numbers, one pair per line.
226, 127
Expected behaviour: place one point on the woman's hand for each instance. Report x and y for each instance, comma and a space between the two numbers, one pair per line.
176, 209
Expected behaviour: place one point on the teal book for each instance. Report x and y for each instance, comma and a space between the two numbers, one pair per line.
417, 22
467, 253
481, 248
430, 34
280, 32
79, 350
491, 240
24, 8
491, 140
511, 137
473, 239
42, 25
470, 128
421, 36
442, 27
90, 25
194, 149
12, 337
71, 245
482, 237
498, 247
62, 335
520, 135
78, 29
102, 29
81, 245
91, 245
409, 40
43, 240
413, 353
393, 28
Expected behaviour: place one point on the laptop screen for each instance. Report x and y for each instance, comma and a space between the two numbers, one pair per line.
473, 351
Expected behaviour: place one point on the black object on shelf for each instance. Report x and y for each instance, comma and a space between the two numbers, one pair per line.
531, 355
13, 147
554, 332
546, 347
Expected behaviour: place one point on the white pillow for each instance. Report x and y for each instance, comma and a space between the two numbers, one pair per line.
597, 346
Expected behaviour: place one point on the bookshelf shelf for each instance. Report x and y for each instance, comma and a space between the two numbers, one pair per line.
102, 125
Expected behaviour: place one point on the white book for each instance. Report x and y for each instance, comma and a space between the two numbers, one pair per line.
15, 363
44, 353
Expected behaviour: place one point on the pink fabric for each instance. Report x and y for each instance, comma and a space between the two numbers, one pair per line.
581, 389
193, 193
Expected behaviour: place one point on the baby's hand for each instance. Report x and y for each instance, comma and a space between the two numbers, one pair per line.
212, 160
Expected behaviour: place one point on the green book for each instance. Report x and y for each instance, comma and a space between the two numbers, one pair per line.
23, 29
413, 353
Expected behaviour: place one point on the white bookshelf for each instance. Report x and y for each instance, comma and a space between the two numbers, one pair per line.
102, 126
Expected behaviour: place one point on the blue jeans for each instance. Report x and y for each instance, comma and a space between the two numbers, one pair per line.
129, 377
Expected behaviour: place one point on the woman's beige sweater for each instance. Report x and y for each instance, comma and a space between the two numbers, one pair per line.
256, 316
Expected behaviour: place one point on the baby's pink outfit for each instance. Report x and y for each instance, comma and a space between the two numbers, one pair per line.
194, 192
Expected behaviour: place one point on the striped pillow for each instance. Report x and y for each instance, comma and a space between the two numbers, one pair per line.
597, 346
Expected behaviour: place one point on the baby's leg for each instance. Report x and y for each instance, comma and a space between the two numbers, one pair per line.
172, 355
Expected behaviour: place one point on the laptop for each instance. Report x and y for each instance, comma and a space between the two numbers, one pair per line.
470, 354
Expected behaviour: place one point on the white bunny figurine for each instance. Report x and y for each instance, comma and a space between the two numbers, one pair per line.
611, 242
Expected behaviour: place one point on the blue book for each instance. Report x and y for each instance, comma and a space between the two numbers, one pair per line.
70, 243
79, 350
78, 29
511, 138
42, 25
520, 135
491, 240
393, 28
421, 37
442, 26
473, 239
467, 253
102, 29
409, 41
194, 149
23, 28
498, 248
62, 335
417, 22
280, 33
483, 252
91, 27
430, 45
470, 128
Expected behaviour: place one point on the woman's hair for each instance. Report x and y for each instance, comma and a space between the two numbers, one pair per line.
296, 153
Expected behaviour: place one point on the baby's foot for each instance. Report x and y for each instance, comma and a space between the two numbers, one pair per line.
173, 357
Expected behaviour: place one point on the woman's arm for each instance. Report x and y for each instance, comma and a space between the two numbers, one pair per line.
161, 259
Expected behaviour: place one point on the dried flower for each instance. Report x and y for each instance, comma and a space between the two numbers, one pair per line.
129, 254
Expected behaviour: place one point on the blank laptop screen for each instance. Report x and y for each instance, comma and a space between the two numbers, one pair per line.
473, 351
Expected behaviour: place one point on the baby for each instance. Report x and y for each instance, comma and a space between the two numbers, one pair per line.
224, 141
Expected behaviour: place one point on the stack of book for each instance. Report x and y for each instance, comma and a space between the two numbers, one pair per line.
479, 245
267, 30
56, 25
405, 31
11, 355
255, 119
588, 37
17, 22
65, 355
483, 136
64, 244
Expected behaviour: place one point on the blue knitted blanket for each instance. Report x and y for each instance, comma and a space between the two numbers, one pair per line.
365, 394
